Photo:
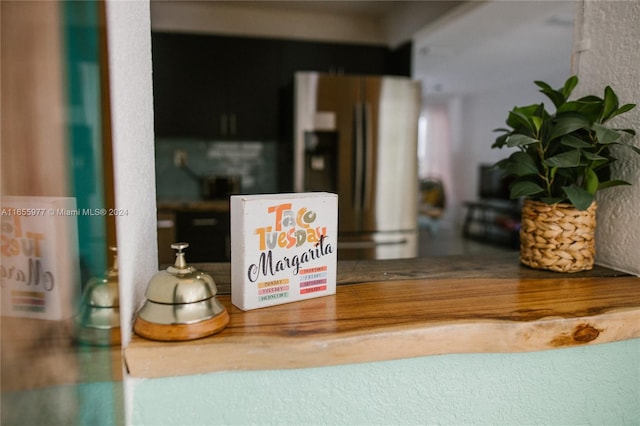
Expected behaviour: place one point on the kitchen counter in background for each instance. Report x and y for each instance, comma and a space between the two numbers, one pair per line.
204, 225
194, 206
395, 309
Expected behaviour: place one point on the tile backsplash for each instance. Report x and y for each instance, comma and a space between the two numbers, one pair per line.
255, 163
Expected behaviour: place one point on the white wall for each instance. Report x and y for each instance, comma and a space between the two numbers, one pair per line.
474, 117
483, 112
131, 93
212, 17
483, 59
607, 52
333, 21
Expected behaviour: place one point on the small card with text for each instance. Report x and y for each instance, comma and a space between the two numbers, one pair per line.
283, 248
40, 271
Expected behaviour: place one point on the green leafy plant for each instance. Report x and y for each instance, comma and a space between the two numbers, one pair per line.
565, 156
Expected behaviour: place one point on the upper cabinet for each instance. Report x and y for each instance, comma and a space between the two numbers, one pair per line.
213, 87
180, 67
234, 88
251, 82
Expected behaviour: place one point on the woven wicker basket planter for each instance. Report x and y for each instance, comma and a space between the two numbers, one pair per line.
557, 237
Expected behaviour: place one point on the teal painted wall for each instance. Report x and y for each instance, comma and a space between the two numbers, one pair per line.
597, 384
87, 404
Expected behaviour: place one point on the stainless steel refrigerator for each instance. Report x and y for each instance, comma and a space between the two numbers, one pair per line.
357, 136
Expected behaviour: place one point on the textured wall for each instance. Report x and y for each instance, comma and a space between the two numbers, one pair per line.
597, 385
131, 92
607, 52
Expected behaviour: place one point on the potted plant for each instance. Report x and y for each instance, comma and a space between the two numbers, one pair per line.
562, 159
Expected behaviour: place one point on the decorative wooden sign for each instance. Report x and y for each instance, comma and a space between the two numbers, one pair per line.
283, 248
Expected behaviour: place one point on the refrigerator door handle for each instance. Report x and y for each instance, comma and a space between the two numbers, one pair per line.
358, 157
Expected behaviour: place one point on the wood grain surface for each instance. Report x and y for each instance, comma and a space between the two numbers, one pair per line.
180, 332
500, 265
410, 309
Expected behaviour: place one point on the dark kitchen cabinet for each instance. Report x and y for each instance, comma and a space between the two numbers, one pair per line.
232, 88
251, 83
208, 235
339, 58
215, 87
181, 86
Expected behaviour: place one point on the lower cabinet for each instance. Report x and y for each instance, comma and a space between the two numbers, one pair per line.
166, 237
208, 235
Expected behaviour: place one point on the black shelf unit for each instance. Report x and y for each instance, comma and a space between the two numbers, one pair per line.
493, 222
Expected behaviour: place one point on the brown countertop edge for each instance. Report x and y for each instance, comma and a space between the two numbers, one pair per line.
386, 310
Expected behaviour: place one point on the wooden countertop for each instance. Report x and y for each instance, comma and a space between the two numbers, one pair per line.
386, 310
